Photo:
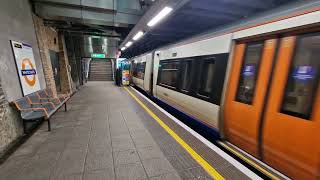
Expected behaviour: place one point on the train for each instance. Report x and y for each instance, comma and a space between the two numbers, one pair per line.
255, 83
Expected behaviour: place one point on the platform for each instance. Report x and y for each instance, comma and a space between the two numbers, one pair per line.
108, 133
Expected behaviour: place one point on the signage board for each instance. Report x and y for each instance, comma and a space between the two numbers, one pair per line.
125, 77
125, 67
249, 70
26, 67
119, 60
304, 72
94, 55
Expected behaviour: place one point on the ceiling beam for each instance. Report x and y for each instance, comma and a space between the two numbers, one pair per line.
79, 15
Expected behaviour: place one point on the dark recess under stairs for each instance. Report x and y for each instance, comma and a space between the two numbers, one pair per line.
100, 70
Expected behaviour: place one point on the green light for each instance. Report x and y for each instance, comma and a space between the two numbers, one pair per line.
98, 55
96, 37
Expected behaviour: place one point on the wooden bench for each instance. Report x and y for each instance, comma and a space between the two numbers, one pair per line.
40, 105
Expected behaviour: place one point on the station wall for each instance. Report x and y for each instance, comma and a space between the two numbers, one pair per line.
16, 24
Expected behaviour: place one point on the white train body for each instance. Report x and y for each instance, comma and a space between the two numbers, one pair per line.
208, 44
143, 78
204, 111
201, 77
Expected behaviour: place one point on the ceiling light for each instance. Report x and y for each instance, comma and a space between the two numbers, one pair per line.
163, 13
123, 48
138, 35
128, 44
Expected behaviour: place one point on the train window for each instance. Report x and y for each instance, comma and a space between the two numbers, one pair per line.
168, 73
249, 72
142, 69
139, 69
134, 68
207, 76
186, 75
303, 78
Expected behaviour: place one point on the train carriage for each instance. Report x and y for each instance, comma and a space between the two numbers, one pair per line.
256, 83
141, 72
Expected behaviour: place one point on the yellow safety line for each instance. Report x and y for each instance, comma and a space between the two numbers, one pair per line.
249, 161
210, 170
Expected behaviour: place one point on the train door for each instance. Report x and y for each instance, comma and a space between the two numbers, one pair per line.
292, 117
281, 122
54, 57
246, 92
151, 74
156, 62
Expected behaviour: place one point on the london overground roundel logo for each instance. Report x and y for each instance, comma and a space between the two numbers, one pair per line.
28, 72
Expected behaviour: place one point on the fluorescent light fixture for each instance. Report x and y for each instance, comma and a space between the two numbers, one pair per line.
90, 45
123, 48
128, 44
163, 13
138, 35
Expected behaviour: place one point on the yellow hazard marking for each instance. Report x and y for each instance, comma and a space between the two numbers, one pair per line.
204, 164
255, 165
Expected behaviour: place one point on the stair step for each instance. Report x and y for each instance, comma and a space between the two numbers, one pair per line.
101, 76
100, 71
105, 71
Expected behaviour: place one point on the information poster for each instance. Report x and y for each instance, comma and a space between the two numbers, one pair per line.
26, 67
125, 77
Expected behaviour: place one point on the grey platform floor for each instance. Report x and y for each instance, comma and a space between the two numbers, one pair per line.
104, 135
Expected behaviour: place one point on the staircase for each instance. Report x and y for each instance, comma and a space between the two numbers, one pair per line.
100, 70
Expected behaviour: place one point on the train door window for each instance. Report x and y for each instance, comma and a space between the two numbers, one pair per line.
303, 77
249, 72
139, 70
169, 73
134, 71
186, 76
207, 76
142, 70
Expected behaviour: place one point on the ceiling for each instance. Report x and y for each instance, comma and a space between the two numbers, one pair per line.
111, 18
195, 17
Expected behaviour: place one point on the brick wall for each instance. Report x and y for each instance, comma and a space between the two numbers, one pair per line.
52, 39
45, 37
49, 39
16, 24
65, 74
10, 126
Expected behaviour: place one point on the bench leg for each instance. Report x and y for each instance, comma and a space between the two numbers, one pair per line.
49, 125
65, 107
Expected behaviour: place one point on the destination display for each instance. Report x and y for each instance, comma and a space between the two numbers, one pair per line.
249, 70
304, 72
